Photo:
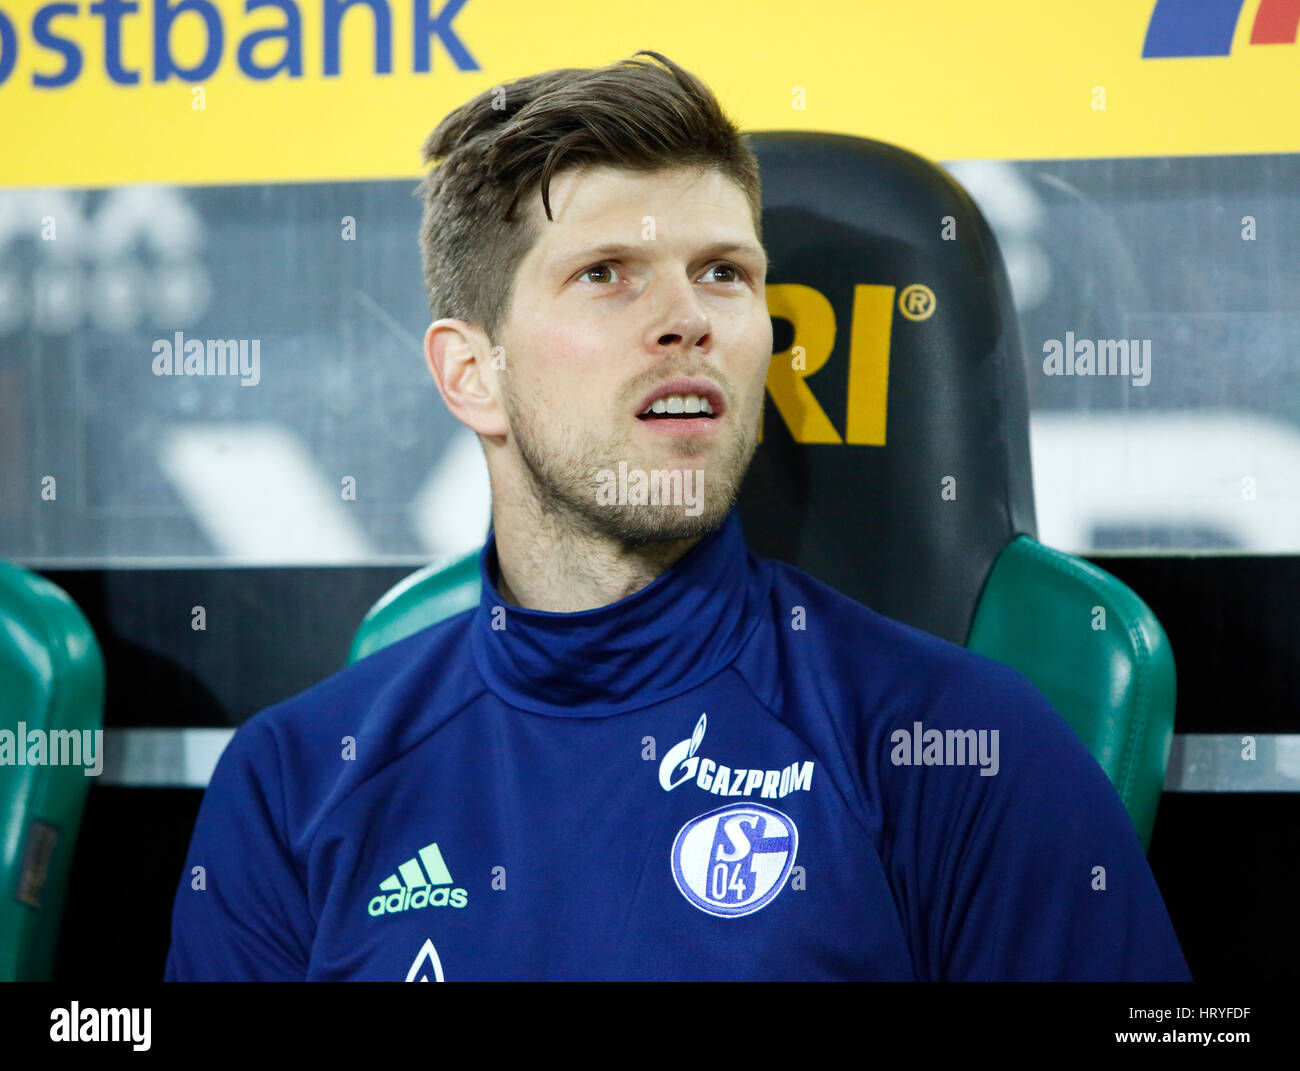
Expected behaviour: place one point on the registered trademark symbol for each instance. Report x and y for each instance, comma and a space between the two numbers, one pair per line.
916, 302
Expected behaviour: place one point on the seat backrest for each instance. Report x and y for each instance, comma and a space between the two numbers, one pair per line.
894, 463
52, 681
1097, 652
425, 597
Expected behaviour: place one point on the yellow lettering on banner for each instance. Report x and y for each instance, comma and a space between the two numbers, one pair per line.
873, 318
813, 320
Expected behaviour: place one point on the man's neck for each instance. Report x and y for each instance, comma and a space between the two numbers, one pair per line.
548, 563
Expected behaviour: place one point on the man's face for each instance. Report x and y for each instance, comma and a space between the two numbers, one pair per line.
593, 335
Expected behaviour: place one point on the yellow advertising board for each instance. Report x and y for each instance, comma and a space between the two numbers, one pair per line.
104, 92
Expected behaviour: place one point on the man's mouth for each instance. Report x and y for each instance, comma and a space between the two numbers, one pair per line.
679, 407
684, 406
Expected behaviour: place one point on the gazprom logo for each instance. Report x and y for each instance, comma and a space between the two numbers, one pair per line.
1207, 27
733, 861
680, 764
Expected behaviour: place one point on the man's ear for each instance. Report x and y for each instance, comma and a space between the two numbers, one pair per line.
461, 363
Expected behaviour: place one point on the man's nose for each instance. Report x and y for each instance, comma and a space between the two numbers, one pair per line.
681, 318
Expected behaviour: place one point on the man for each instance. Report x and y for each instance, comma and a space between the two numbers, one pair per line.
627, 762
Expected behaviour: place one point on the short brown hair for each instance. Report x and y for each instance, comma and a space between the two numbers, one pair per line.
511, 140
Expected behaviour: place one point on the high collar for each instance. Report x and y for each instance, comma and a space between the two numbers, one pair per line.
672, 635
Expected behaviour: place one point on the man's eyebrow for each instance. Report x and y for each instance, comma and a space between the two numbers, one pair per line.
623, 249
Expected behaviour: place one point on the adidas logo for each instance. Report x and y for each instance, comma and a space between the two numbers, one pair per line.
415, 887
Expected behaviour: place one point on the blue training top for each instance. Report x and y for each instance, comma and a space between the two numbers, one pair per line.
734, 773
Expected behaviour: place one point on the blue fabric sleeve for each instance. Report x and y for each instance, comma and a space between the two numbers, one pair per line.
252, 920
1034, 873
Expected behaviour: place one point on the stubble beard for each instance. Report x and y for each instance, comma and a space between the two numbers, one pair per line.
563, 476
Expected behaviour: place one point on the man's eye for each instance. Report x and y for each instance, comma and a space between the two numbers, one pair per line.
598, 269
739, 273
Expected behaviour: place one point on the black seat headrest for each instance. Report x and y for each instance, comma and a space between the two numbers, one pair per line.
904, 505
